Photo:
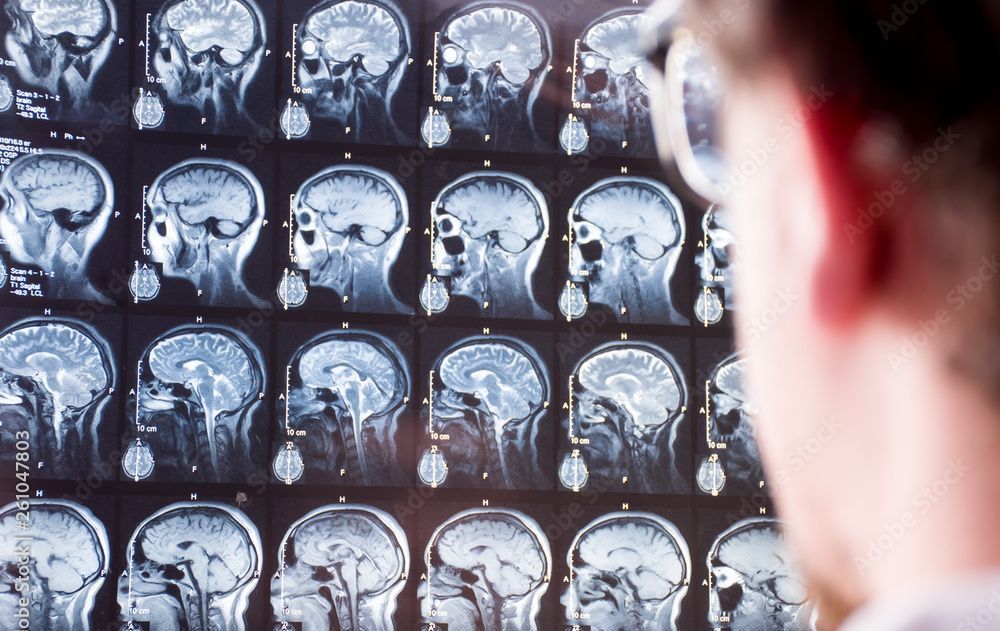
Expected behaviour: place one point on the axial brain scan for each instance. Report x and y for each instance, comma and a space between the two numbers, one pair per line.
351, 58
67, 551
628, 570
487, 569
489, 233
56, 377
489, 397
206, 218
627, 234
199, 387
205, 54
346, 392
341, 568
492, 59
190, 566
627, 400
60, 46
754, 584
350, 222
56, 208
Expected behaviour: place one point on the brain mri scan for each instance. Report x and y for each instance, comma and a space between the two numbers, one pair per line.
60, 47
346, 392
350, 59
626, 236
203, 55
716, 264
730, 431
340, 568
490, 61
626, 401
609, 91
67, 551
753, 582
56, 378
489, 396
198, 389
486, 569
628, 571
349, 226
190, 566
205, 218
489, 232
56, 208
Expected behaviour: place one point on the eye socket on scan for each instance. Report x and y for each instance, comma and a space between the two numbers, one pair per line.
309, 47
448, 225
586, 232
452, 54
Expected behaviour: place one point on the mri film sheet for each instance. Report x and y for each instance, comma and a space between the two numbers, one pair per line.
204, 66
65, 61
59, 390
349, 71
201, 234
346, 242
345, 414
195, 408
62, 223
488, 65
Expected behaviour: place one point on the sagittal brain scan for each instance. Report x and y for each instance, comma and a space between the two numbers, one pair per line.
345, 393
754, 584
488, 233
609, 96
205, 216
716, 263
734, 458
192, 414
56, 378
349, 224
489, 398
350, 59
59, 48
201, 55
190, 566
56, 208
67, 551
626, 235
340, 568
628, 570
490, 61
486, 569
626, 404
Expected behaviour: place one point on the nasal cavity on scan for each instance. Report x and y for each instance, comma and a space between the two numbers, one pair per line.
596, 81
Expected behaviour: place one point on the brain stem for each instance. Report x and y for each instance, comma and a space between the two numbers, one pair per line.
345, 598
486, 601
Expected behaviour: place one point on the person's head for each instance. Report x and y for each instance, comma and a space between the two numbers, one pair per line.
863, 140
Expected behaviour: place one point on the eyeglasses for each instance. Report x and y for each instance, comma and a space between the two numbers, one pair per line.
688, 97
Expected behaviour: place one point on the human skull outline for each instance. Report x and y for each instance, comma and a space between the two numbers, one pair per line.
348, 392
754, 583
68, 560
207, 53
191, 565
350, 72
61, 47
500, 557
628, 570
200, 386
337, 578
350, 225
56, 208
490, 231
628, 400
494, 58
490, 395
56, 378
627, 233
207, 215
